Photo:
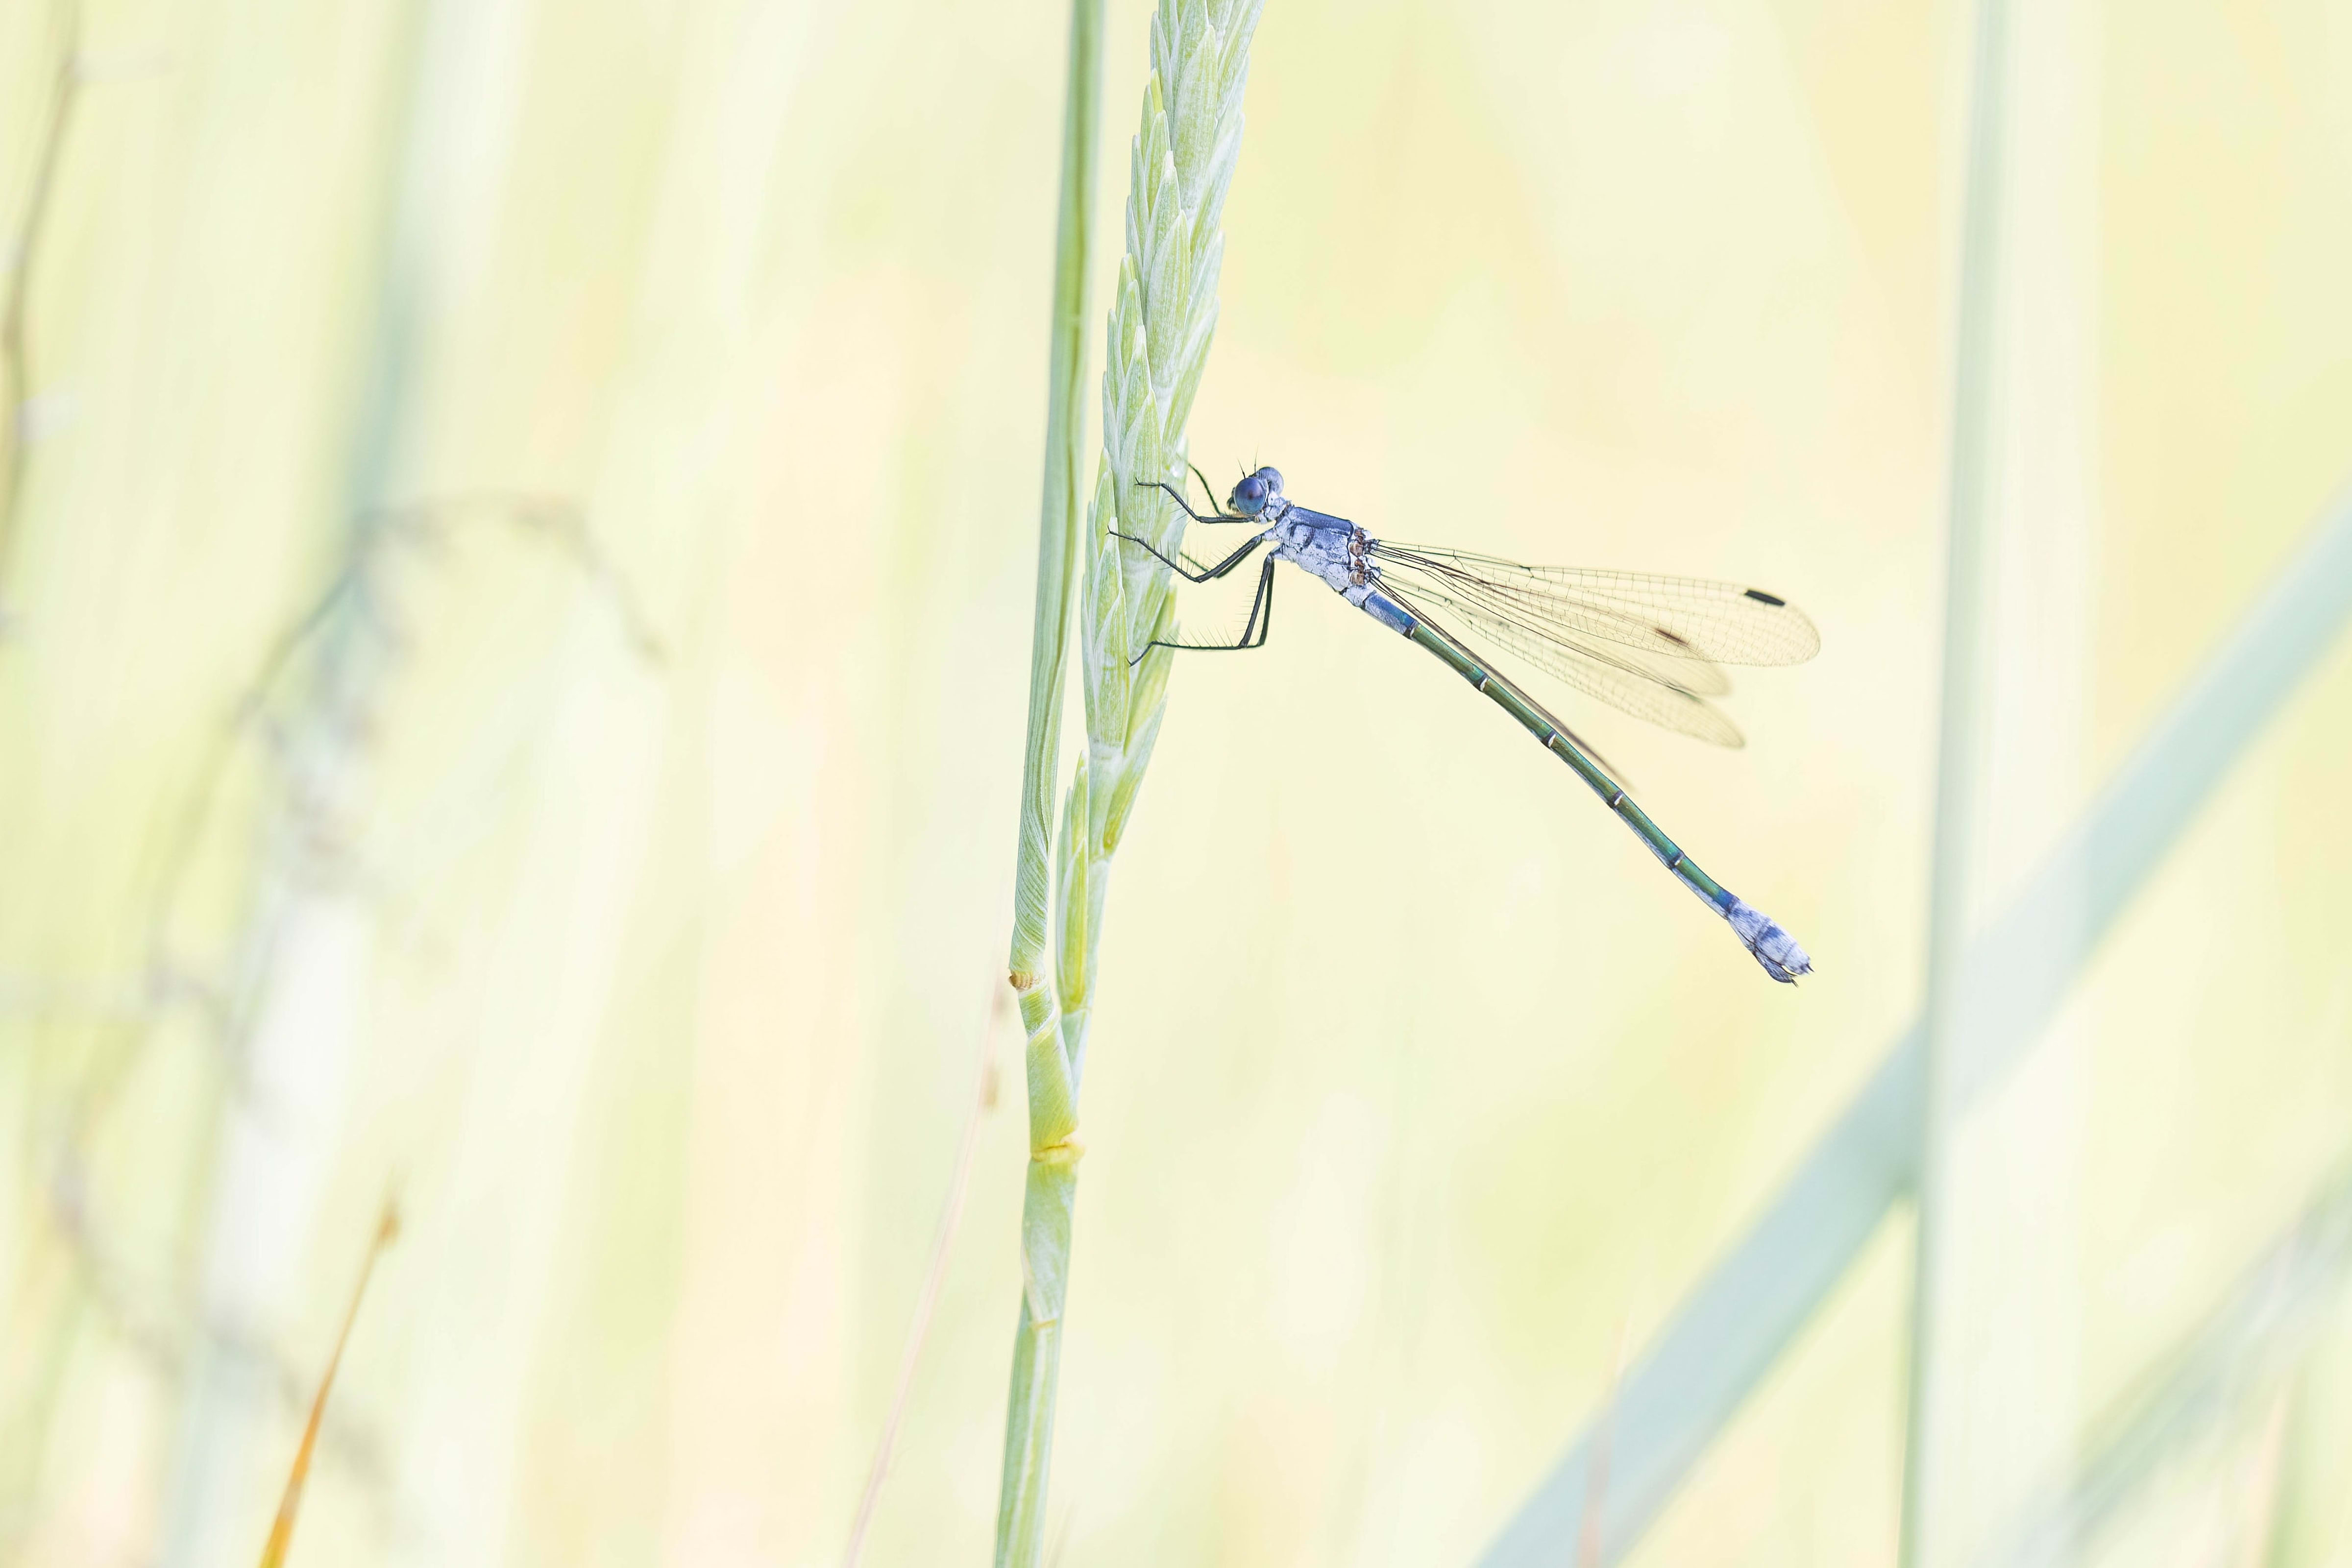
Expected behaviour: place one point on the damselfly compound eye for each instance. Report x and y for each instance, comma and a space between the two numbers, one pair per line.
1252, 495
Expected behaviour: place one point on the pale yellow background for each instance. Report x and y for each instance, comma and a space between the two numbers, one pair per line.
652, 978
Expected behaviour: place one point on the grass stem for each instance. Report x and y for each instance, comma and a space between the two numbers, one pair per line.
1161, 321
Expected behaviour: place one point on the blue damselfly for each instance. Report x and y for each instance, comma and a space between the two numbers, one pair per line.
1652, 646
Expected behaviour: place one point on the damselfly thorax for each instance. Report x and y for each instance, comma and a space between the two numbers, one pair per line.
1337, 551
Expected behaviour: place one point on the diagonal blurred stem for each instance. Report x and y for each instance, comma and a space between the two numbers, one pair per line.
281, 1530
1734, 1326
934, 1277
2255, 1334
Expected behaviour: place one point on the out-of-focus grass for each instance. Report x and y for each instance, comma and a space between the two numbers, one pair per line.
984, 1100
646, 968
1769, 1290
27, 227
2253, 1349
281, 1529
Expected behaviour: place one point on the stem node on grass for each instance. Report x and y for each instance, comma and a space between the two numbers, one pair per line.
1065, 1154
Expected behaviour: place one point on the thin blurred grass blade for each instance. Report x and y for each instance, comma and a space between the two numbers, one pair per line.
281, 1530
31, 225
2277, 1307
935, 1273
1734, 1324
1596, 1479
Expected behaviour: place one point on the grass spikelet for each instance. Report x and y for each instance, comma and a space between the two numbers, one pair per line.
1158, 343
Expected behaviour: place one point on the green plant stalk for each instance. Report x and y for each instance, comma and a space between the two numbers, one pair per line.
1050, 1180
1161, 323
1058, 521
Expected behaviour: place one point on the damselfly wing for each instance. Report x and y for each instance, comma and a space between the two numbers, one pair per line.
1647, 645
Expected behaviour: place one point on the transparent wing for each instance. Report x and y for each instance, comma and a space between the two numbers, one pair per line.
1618, 676
1677, 618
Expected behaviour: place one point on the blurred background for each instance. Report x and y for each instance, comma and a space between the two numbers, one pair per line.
515, 572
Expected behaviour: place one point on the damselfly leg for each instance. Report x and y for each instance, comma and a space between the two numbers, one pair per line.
1179, 498
1206, 573
1261, 615
1261, 620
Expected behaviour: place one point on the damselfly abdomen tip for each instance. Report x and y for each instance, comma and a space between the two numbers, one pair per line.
1768, 940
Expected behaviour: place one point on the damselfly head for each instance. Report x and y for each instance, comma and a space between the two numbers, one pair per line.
1258, 492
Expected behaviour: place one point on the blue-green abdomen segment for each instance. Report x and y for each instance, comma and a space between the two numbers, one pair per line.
1772, 946
1553, 738
1389, 613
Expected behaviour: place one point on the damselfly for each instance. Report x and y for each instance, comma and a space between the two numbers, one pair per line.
1652, 646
